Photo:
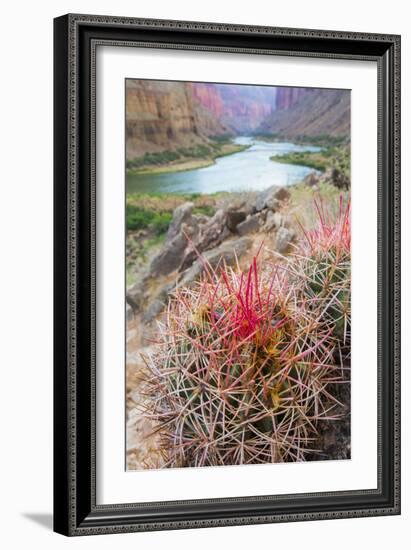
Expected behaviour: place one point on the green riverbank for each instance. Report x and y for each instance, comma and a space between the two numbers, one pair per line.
183, 159
328, 158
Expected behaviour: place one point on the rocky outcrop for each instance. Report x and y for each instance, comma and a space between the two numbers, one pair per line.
211, 234
226, 254
270, 198
250, 225
274, 221
170, 257
309, 112
182, 214
194, 241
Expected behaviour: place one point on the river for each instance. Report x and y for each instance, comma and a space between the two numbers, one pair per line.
249, 170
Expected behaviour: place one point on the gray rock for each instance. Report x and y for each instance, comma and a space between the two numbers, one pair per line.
170, 257
135, 294
249, 225
266, 199
165, 291
211, 234
212, 230
153, 310
157, 305
227, 253
234, 217
284, 239
273, 221
271, 197
201, 219
182, 214
245, 203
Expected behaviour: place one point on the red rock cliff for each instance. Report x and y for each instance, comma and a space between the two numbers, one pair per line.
239, 107
164, 116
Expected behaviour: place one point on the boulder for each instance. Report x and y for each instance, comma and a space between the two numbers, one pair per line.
271, 197
227, 253
211, 232
273, 221
170, 257
182, 214
266, 199
284, 239
201, 219
250, 225
210, 235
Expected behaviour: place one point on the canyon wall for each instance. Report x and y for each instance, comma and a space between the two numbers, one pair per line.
309, 112
287, 97
241, 108
164, 116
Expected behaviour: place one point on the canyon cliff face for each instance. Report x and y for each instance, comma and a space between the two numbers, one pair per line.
310, 112
209, 97
163, 116
241, 108
287, 97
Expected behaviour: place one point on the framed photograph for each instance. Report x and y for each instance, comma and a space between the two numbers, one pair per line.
227, 277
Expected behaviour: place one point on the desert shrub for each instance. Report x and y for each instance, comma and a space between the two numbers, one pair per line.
140, 218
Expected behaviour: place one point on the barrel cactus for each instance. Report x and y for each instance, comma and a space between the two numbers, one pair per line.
321, 269
242, 369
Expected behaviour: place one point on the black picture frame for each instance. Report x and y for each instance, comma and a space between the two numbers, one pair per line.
76, 38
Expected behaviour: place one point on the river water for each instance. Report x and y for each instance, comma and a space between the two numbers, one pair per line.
249, 170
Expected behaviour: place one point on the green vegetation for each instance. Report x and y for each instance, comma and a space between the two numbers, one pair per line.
218, 146
322, 140
154, 212
221, 139
333, 157
139, 218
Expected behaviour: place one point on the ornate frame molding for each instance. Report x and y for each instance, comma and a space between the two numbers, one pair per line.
76, 40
